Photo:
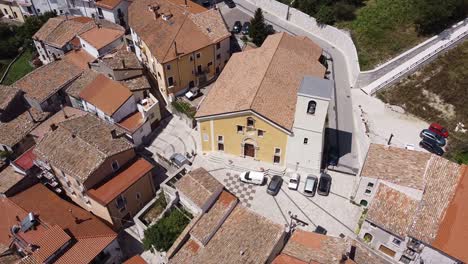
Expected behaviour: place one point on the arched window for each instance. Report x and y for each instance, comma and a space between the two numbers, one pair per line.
368, 237
311, 107
363, 203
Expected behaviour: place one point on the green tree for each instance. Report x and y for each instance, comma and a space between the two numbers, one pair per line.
258, 29
344, 11
325, 15
434, 15
31, 25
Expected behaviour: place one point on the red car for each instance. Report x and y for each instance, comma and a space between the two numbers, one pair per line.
439, 130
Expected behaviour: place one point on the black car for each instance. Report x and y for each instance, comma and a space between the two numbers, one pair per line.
324, 185
237, 27
230, 3
246, 28
333, 157
275, 185
206, 3
431, 146
320, 230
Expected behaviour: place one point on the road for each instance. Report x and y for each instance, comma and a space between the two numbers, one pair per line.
342, 103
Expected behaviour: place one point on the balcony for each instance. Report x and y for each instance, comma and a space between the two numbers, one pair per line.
415, 245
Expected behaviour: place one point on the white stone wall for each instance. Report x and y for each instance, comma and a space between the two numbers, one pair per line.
127, 108
140, 133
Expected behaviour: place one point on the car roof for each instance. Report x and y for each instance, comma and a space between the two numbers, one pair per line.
311, 176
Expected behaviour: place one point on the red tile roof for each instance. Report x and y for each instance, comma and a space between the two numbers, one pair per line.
135, 260
133, 122
109, 4
79, 58
26, 160
452, 236
50, 241
107, 192
99, 37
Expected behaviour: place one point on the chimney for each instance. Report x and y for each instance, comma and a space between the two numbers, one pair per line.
31, 116
63, 111
123, 63
53, 127
114, 133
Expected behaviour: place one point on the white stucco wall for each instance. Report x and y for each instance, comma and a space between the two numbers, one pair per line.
89, 48
127, 108
140, 133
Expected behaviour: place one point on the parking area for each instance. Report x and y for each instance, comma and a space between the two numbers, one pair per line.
334, 212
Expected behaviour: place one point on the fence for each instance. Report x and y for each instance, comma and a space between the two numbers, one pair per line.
421, 58
338, 39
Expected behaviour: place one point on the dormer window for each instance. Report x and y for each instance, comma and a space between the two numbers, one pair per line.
250, 122
311, 107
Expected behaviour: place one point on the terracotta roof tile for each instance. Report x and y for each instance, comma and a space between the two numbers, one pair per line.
81, 82
8, 178
7, 94
106, 94
132, 122
109, 4
365, 255
79, 58
135, 260
212, 220
45, 127
452, 236
108, 191
50, 241
80, 145
137, 83
392, 210
26, 160
120, 58
381, 164
286, 259
22, 125
245, 237
265, 80
99, 37
198, 186
442, 177
188, 31
10, 213
47, 80
59, 31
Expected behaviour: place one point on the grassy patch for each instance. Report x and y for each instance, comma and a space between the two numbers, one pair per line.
165, 232
383, 29
20, 68
438, 93
184, 108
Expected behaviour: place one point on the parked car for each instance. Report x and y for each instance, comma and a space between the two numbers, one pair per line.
439, 130
230, 3
320, 230
294, 180
246, 28
431, 146
310, 185
275, 185
254, 177
193, 93
324, 185
179, 160
426, 133
237, 28
333, 157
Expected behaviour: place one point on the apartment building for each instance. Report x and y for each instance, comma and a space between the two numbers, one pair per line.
37, 226
60, 35
97, 168
415, 209
181, 43
11, 10
270, 104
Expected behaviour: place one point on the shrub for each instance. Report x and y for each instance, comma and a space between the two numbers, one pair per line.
165, 232
325, 15
184, 108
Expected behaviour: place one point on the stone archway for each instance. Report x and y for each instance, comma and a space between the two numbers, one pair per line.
249, 148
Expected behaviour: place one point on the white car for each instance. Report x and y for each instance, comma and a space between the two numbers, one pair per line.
254, 177
192, 93
294, 180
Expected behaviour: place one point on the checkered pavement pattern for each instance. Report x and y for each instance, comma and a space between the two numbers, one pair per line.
243, 191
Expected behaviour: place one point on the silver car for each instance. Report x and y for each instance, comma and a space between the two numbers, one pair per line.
310, 185
426, 133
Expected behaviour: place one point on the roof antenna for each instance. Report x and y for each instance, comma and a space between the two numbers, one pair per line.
77, 220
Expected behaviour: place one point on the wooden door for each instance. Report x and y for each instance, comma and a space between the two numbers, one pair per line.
249, 150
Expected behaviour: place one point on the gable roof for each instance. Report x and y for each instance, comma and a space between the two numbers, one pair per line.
392, 210
106, 94
80, 83
91, 235
58, 31
244, 237
396, 165
22, 125
99, 37
199, 186
265, 80
109, 4
80, 58
121, 59
7, 94
125, 178
80, 145
191, 26
452, 236
47, 80
9, 178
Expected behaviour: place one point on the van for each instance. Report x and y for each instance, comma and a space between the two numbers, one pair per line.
254, 177
310, 185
